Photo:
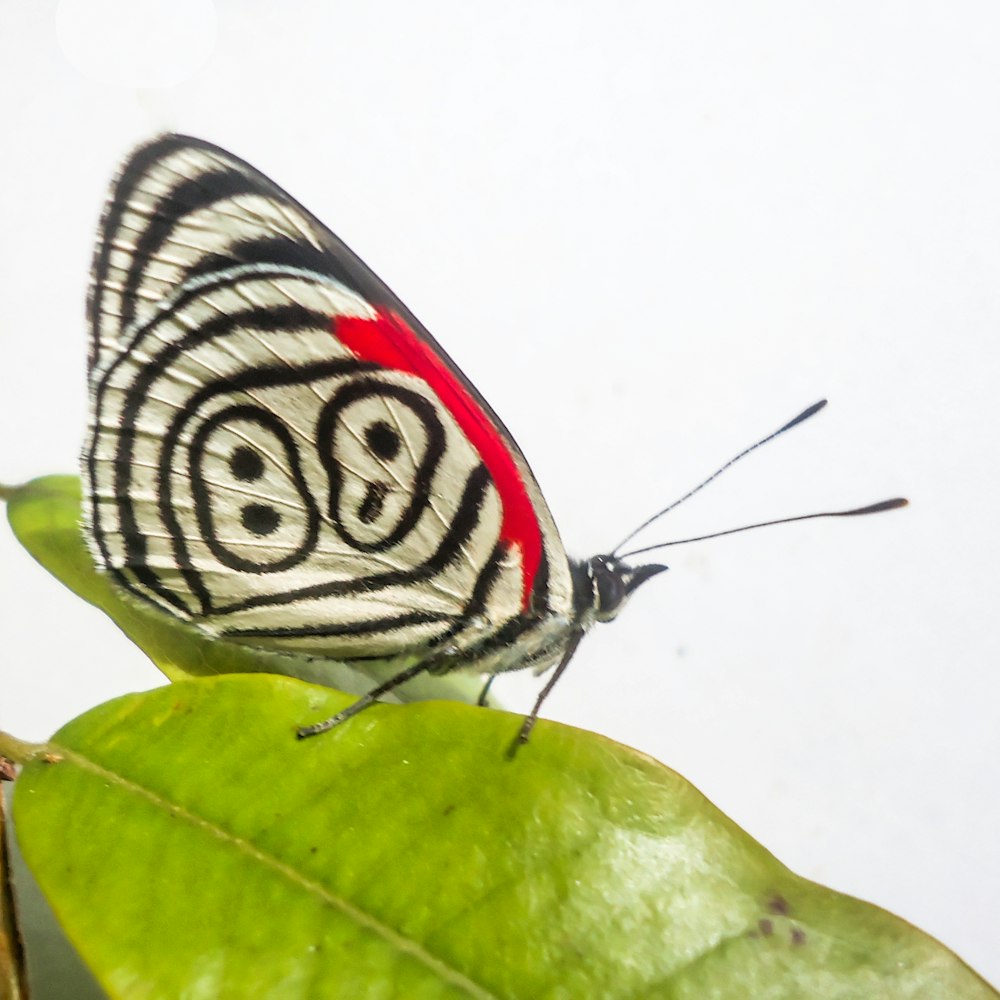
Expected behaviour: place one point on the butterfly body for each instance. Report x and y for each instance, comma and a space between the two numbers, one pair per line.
280, 454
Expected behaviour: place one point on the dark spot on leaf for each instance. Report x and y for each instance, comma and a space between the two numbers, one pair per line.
448, 810
779, 905
798, 936
766, 927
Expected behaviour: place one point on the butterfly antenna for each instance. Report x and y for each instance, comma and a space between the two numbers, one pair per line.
804, 415
875, 508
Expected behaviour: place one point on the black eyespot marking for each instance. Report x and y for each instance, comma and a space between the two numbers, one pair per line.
373, 502
383, 440
260, 519
352, 437
227, 518
245, 464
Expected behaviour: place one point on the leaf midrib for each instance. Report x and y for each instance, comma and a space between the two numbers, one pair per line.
404, 945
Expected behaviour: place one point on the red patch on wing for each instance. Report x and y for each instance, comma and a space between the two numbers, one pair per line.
388, 341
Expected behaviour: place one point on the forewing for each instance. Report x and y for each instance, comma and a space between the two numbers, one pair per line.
180, 208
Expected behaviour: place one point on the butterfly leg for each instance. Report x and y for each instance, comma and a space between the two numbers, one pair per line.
364, 701
481, 700
529, 722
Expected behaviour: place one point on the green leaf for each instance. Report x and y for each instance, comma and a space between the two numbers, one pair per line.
191, 846
52, 968
45, 517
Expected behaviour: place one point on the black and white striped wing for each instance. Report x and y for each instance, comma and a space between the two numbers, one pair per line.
280, 453
181, 208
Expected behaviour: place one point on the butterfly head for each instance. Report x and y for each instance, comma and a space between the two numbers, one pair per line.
611, 583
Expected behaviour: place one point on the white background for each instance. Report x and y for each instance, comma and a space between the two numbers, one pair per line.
649, 232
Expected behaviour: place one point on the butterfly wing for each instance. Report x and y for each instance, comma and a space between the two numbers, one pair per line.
280, 453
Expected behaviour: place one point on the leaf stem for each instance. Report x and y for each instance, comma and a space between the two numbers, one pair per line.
20, 751
13, 976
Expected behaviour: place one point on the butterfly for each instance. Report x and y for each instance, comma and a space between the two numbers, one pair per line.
281, 455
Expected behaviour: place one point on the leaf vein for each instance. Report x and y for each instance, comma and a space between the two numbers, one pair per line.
404, 945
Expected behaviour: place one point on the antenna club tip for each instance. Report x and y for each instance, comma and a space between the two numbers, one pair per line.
809, 411
877, 508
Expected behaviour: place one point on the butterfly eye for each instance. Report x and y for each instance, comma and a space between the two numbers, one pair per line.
380, 444
254, 510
